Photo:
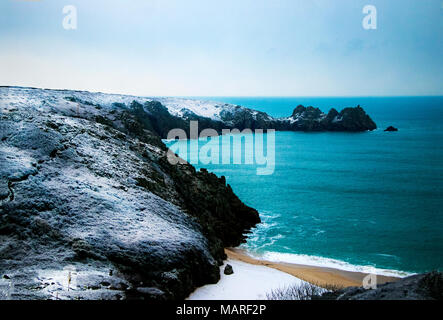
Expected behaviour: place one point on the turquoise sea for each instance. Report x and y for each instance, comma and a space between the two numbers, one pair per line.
350, 200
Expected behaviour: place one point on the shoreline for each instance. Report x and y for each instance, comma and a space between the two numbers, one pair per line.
322, 276
247, 282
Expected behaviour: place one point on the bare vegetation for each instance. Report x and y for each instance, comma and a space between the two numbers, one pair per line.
303, 291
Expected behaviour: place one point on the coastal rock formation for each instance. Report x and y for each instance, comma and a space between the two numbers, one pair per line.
313, 119
228, 270
160, 115
302, 119
90, 208
391, 128
417, 287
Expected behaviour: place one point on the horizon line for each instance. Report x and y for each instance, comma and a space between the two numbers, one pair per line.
231, 96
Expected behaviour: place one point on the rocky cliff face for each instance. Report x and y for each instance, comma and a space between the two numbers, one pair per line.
418, 287
90, 207
313, 119
302, 119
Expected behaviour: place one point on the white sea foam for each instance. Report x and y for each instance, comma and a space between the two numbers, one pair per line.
325, 263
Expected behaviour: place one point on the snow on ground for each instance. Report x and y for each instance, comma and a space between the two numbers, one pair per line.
16, 96
208, 109
248, 282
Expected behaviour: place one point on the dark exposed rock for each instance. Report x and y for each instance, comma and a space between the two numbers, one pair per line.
298, 111
243, 118
309, 113
151, 292
417, 287
228, 270
332, 114
349, 119
153, 116
391, 128
302, 119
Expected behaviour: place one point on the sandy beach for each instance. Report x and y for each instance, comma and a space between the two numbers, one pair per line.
315, 275
244, 284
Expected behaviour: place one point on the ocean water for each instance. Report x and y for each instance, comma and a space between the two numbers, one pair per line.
355, 201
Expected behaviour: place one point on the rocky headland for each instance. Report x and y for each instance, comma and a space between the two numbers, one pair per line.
427, 286
90, 208
160, 115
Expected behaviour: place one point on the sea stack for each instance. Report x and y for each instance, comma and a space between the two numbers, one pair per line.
391, 129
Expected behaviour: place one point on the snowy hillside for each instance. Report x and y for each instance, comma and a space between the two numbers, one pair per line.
210, 114
86, 193
176, 106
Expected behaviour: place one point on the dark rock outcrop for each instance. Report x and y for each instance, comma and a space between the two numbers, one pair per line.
313, 119
427, 286
391, 128
158, 120
228, 270
90, 208
351, 119
244, 118
302, 119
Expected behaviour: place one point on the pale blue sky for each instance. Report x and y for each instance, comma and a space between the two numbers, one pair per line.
225, 48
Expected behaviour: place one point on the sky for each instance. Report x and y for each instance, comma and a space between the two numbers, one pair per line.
225, 48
